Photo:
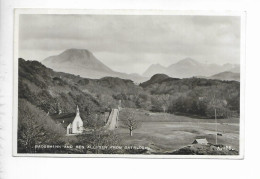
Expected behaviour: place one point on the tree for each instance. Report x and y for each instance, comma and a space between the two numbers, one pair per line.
129, 121
217, 106
157, 105
29, 133
35, 127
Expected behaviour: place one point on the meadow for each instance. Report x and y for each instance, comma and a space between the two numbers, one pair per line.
164, 132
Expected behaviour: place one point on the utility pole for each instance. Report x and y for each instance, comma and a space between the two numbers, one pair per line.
216, 125
215, 109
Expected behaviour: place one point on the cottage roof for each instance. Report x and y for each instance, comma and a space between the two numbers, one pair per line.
65, 118
200, 141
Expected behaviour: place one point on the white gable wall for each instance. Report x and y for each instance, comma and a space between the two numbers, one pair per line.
68, 128
77, 125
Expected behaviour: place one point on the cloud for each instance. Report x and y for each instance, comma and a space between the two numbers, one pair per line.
132, 39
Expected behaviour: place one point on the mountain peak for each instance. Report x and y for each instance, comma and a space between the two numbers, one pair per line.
156, 65
187, 61
75, 50
72, 60
83, 62
153, 69
78, 55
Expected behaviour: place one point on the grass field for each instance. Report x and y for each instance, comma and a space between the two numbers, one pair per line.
167, 132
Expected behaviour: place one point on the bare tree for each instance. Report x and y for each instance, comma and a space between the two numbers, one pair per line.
30, 132
129, 121
165, 101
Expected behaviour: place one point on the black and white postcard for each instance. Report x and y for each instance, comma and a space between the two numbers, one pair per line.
128, 83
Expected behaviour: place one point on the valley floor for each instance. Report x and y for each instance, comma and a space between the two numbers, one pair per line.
164, 132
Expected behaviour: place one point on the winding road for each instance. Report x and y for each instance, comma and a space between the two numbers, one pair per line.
112, 120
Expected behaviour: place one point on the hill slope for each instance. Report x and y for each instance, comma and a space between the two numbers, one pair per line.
53, 91
227, 75
155, 79
48, 90
193, 96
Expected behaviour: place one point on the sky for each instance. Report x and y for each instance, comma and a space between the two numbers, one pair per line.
131, 43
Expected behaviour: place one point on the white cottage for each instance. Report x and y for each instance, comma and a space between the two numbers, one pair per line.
76, 126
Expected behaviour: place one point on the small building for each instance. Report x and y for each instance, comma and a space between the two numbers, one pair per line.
76, 126
200, 141
201, 98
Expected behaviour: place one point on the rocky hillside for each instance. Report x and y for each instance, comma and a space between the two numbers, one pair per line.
54, 91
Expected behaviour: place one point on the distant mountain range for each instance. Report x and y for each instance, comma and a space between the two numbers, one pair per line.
189, 67
82, 62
